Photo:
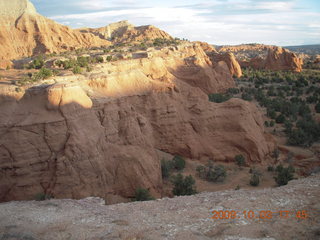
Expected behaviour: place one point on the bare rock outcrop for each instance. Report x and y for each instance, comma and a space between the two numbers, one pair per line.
261, 56
24, 33
282, 59
230, 60
97, 136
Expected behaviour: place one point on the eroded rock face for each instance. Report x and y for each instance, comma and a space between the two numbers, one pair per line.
98, 135
230, 60
260, 56
282, 59
35, 34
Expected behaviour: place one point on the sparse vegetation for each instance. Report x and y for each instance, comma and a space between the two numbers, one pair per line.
284, 174
212, 173
143, 194
255, 180
219, 97
37, 63
183, 185
240, 160
42, 197
166, 167
178, 163
287, 97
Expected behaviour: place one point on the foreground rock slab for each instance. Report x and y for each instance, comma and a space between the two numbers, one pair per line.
186, 217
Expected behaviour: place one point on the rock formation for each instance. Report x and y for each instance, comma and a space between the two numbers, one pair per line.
230, 60
261, 56
110, 31
96, 135
124, 32
24, 33
282, 59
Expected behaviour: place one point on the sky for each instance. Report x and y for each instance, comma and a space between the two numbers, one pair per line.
219, 22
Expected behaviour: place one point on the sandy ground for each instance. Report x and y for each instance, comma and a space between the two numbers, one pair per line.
188, 217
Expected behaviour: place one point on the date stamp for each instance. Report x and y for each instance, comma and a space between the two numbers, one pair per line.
261, 214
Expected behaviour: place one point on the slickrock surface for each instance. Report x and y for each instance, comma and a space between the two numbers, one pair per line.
97, 135
184, 218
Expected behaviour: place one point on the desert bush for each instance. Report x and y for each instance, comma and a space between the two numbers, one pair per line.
280, 118
143, 194
109, 58
240, 160
201, 170
99, 59
77, 70
255, 180
42, 197
178, 163
270, 169
183, 185
216, 174
44, 73
218, 97
166, 166
212, 173
284, 175
37, 63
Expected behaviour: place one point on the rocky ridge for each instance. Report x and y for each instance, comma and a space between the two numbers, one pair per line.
125, 32
96, 135
25, 33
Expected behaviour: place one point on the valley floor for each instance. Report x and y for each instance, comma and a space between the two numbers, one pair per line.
188, 217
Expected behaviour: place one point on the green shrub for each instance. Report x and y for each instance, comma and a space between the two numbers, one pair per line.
83, 61
240, 160
270, 169
237, 187
178, 163
255, 180
280, 118
143, 194
246, 97
201, 170
284, 175
76, 70
42, 197
109, 58
44, 73
216, 174
165, 168
183, 185
218, 97
37, 63
89, 69
99, 59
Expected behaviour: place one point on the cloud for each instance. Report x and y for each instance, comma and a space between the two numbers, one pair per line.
281, 22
